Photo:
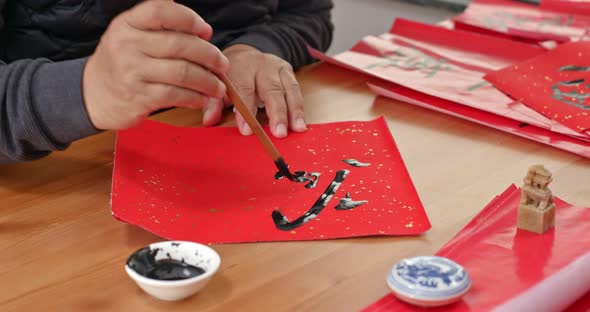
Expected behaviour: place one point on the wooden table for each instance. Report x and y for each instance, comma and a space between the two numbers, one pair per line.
62, 249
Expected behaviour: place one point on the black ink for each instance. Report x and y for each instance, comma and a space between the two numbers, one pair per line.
398, 53
522, 125
175, 244
144, 263
571, 83
575, 98
506, 20
312, 178
571, 92
282, 223
355, 163
283, 170
574, 68
478, 86
314, 181
173, 270
347, 203
301, 177
421, 62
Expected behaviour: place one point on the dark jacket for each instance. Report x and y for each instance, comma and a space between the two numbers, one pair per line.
44, 45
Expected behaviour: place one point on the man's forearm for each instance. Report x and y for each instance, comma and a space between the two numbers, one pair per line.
41, 108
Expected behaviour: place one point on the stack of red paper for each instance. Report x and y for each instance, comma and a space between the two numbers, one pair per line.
494, 68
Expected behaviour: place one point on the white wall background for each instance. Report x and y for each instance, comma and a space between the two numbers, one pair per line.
354, 19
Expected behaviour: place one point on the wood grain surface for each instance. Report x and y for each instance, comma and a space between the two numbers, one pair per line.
63, 251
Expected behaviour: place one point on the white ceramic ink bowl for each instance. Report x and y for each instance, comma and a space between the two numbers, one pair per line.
173, 270
428, 281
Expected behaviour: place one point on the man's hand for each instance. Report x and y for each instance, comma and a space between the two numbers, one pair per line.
153, 56
266, 80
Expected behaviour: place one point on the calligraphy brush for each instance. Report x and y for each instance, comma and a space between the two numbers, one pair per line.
257, 128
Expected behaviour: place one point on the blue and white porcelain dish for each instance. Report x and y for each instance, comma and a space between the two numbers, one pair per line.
428, 280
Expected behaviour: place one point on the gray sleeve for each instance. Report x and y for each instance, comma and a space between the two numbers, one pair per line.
296, 25
41, 108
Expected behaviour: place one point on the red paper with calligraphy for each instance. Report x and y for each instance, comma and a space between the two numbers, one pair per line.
556, 84
525, 22
213, 185
481, 117
447, 64
419, 60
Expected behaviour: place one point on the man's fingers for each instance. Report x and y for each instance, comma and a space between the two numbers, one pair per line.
165, 95
270, 89
294, 99
212, 112
244, 83
183, 74
175, 45
168, 15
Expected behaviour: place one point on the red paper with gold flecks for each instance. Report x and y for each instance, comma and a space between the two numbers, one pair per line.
556, 84
213, 185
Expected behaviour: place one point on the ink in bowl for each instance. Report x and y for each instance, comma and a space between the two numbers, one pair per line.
172, 270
